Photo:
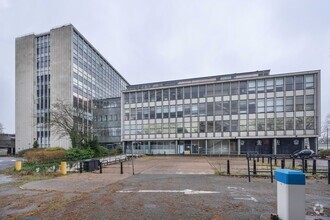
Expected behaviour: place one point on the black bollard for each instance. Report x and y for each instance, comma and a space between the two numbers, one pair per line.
258, 158
268, 158
262, 159
282, 164
121, 168
314, 167
275, 161
228, 167
328, 171
248, 161
303, 165
100, 164
80, 167
271, 171
293, 163
254, 167
306, 166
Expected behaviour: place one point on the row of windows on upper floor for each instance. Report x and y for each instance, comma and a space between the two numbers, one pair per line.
233, 107
269, 124
279, 84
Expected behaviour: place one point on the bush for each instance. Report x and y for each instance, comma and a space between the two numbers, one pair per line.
22, 152
324, 153
44, 155
100, 151
79, 153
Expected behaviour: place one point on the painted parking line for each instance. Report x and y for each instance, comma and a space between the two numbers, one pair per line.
186, 191
239, 193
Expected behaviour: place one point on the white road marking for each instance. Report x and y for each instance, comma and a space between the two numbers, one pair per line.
240, 193
247, 198
13, 160
186, 191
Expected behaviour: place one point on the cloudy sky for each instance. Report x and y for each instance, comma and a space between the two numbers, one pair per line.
149, 41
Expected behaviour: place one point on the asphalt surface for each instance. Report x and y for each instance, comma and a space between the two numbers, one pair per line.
6, 162
162, 188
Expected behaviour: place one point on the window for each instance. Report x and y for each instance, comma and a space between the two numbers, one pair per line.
187, 92
289, 83
279, 84
234, 125
226, 89
165, 95
126, 98
202, 92
172, 111
261, 124
126, 114
218, 108
289, 104
252, 106
133, 113
226, 107
145, 96
158, 112
202, 126
270, 85
187, 110
179, 93
179, 110
300, 103
194, 92
165, 111
172, 128
309, 102
279, 124
152, 112
146, 113
139, 97
252, 125
234, 107
242, 107
132, 98
210, 90
187, 127
202, 109
159, 95
226, 125
261, 86
152, 96
194, 127
252, 87
279, 104
210, 111
218, 89
270, 124
218, 126
243, 87
261, 105
194, 110
309, 82
210, 127
309, 123
299, 123
173, 94
299, 82
139, 113
234, 88
289, 124
242, 125
179, 128
270, 105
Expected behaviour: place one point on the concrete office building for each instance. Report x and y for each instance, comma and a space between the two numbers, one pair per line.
58, 65
226, 114
107, 124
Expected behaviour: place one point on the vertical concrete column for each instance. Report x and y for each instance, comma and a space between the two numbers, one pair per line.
275, 146
206, 146
239, 146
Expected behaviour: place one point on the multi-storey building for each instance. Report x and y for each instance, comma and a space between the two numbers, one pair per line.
58, 65
107, 124
227, 114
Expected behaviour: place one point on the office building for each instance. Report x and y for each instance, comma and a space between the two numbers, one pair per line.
58, 65
223, 115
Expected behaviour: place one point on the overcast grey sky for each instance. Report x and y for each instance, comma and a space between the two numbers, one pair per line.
149, 41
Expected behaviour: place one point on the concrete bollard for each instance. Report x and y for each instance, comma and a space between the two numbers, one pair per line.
290, 194
63, 168
18, 165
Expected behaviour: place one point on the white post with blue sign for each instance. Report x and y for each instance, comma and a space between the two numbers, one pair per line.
290, 194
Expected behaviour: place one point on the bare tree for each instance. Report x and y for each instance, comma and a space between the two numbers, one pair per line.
1, 128
66, 120
325, 129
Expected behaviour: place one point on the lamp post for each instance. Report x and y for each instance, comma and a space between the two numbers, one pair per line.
327, 138
132, 157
